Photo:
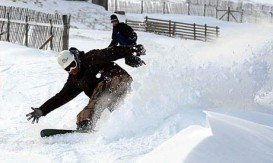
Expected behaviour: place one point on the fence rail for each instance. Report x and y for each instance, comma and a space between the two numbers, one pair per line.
34, 29
176, 29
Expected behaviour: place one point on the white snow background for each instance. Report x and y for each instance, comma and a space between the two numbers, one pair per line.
193, 102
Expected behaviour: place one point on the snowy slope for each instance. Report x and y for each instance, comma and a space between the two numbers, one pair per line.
182, 78
164, 114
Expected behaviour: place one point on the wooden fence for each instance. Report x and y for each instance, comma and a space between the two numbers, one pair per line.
224, 9
34, 29
176, 29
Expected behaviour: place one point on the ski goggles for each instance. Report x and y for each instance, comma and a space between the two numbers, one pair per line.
71, 67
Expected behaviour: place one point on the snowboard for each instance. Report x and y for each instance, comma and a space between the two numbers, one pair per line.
53, 132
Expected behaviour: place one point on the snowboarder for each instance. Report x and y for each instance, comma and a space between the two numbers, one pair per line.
123, 34
95, 74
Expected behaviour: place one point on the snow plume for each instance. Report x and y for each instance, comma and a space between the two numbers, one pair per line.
227, 73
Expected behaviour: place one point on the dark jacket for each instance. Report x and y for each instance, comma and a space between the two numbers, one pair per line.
92, 63
123, 34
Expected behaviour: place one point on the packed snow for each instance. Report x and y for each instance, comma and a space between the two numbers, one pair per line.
193, 101
229, 139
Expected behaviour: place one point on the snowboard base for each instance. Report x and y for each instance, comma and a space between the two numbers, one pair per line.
53, 132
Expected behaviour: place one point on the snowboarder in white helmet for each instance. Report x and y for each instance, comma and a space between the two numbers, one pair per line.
95, 74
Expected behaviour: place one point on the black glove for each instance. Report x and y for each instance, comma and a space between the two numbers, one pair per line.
75, 51
139, 50
133, 37
134, 61
36, 114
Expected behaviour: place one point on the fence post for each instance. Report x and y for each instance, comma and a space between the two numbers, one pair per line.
146, 23
5, 10
170, 28
3, 22
217, 9
194, 31
205, 8
8, 27
217, 31
164, 4
228, 13
65, 33
188, 7
51, 34
242, 14
205, 32
271, 14
26, 34
174, 24
142, 6
116, 5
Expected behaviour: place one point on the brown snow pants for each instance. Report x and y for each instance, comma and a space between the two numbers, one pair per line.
106, 95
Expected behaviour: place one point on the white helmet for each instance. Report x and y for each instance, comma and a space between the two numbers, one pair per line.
65, 58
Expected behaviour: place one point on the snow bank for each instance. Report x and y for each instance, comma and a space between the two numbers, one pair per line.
230, 140
84, 13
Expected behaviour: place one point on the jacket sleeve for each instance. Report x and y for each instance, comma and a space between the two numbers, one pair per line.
68, 92
114, 41
106, 55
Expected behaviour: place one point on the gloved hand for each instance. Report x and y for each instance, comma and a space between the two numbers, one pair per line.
139, 50
133, 37
74, 50
134, 61
36, 114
